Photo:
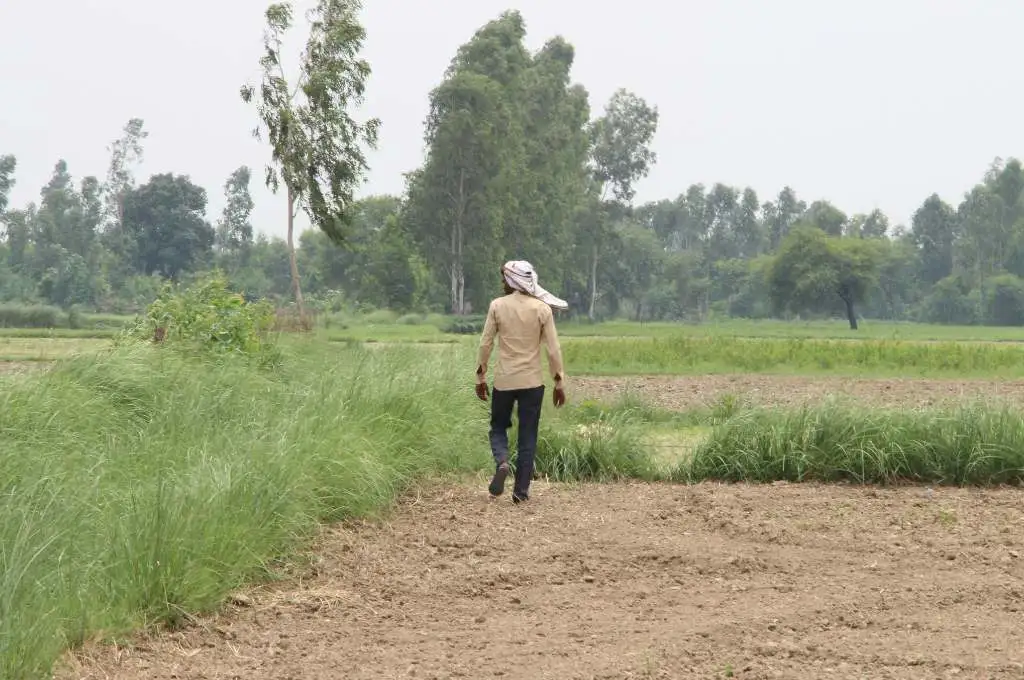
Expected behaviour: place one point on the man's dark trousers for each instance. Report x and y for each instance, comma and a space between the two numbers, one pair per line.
530, 402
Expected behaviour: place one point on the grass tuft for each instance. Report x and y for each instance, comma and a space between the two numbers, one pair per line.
973, 445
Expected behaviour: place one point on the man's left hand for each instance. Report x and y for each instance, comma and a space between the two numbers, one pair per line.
481, 391
559, 396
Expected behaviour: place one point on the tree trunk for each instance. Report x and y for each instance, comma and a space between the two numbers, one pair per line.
850, 314
292, 261
593, 281
458, 274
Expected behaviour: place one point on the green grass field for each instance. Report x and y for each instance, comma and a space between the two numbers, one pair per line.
681, 353
141, 486
696, 354
387, 329
869, 330
14, 348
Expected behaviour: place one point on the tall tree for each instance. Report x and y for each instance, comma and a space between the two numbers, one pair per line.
812, 269
550, 184
934, 231
780, 216
621, 154
166, 219
234, 229
826, 217
8, 164
456, 199
316, 144
125, 152
17, 224
466, 191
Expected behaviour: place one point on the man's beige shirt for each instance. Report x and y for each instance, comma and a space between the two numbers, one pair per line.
522, 324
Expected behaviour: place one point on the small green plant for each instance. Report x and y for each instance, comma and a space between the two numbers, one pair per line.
947, 517
207, 316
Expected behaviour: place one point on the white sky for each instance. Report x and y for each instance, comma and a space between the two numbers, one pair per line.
867, 103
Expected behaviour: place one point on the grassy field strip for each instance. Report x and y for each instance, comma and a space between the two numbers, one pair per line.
679, 355
46, 349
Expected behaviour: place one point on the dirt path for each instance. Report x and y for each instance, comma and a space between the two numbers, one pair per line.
787, 390
633, 581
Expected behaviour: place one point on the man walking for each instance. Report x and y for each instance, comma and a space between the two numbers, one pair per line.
523, 321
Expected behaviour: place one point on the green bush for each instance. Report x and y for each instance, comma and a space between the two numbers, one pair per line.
410, 320
207, 316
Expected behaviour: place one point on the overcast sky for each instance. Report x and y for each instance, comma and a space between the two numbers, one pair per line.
866, 103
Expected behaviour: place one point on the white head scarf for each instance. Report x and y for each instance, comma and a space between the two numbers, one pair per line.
520, 275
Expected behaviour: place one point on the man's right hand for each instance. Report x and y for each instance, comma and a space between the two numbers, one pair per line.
481, 391
558, 396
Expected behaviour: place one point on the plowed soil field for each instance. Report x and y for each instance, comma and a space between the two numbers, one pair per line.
630, 581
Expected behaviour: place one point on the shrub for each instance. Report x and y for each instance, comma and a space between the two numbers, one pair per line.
207, 316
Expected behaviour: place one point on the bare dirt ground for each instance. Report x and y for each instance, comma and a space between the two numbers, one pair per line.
631, 581
681, 393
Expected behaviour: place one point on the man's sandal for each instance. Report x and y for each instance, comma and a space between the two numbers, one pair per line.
497, 486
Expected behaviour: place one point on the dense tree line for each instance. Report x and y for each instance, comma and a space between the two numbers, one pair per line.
517, 166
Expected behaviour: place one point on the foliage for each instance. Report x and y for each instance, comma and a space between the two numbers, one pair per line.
812, 269
972, 445
621, 142
234, 230
8, 164
208, 315
165, 220
316, 145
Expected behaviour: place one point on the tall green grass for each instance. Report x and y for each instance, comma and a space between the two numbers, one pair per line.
138, 486
694, 355
973, 445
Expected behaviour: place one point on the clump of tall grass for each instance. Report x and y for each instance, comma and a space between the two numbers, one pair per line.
976, 444
140, 485
688, 354
593, 445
